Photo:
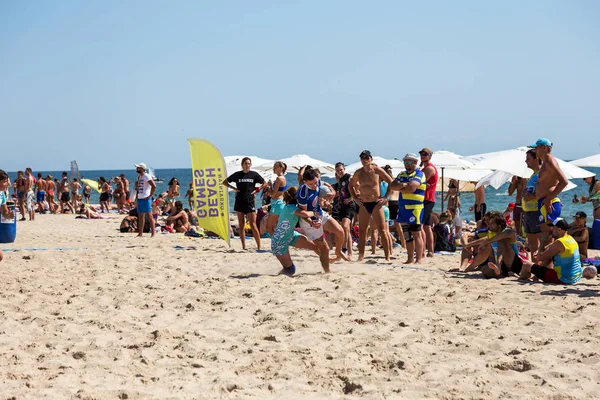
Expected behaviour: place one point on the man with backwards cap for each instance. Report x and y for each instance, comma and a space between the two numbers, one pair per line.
560, 263
551, 182
411, 185
431, 176
145, 188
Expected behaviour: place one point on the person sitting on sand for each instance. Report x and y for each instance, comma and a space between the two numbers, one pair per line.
443, 234
472, 259
90, 212
285, 234
178, 219
504, 244
129, 224
560, 262
579, 231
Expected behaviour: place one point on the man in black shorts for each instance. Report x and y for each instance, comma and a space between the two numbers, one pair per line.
344, 207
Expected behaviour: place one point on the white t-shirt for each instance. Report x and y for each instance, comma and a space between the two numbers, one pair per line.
144, 188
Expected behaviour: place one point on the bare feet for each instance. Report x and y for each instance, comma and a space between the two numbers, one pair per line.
429, 254
361, 257
409, 261
494, 268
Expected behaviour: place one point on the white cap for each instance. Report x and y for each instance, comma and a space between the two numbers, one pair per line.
411, 156
141, 165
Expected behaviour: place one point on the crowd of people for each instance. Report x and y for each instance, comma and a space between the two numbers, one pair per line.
370, 205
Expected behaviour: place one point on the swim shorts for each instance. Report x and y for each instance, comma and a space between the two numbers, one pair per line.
427, 210
531, 222
144, 205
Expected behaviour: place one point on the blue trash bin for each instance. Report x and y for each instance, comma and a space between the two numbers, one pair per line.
8, 227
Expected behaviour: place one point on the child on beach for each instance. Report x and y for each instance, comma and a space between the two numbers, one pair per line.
285, 234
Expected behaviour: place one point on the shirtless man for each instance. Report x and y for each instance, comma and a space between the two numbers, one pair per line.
65, 198
75, 186
551, 182
517, 184
370, 201
479, 207
125, 184
40, 186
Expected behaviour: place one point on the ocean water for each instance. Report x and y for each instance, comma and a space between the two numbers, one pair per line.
495, 199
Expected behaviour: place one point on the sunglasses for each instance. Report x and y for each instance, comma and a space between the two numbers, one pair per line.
409, 162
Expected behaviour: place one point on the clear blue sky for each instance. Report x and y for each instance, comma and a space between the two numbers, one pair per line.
110, 83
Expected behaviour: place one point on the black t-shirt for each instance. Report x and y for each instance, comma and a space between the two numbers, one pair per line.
245, 183
343, 193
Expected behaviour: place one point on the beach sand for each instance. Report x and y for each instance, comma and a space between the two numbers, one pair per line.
115, 316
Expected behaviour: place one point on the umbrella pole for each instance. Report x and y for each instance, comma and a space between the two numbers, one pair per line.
442, 189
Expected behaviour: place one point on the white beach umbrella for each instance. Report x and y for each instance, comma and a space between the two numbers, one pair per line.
513, 162
449, 160
590, 162
295, 162
498, 178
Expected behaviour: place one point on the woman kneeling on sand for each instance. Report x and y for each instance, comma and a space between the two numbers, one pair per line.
178, 219
285, 234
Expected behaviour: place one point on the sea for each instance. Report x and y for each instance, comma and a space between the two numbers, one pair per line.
495, 199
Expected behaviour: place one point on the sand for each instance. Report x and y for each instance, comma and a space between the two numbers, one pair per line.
115, 316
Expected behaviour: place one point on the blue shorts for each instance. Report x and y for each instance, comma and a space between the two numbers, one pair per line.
144, 206
551, 217
40, 196
277, 206
410, 216
281, 247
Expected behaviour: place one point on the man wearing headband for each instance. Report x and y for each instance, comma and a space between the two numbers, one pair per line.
411, 185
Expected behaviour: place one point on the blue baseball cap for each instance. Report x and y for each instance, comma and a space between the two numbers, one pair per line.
541, 142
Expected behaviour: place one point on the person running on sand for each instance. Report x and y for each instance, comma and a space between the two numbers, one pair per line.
560, 263
178, 219
314, 228
245, 203
285, 234
277, 203
411, 185
145, 188
551, 182
40, 186
6, 213
365, 190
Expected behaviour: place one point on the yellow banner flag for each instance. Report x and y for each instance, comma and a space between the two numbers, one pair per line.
211, 200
